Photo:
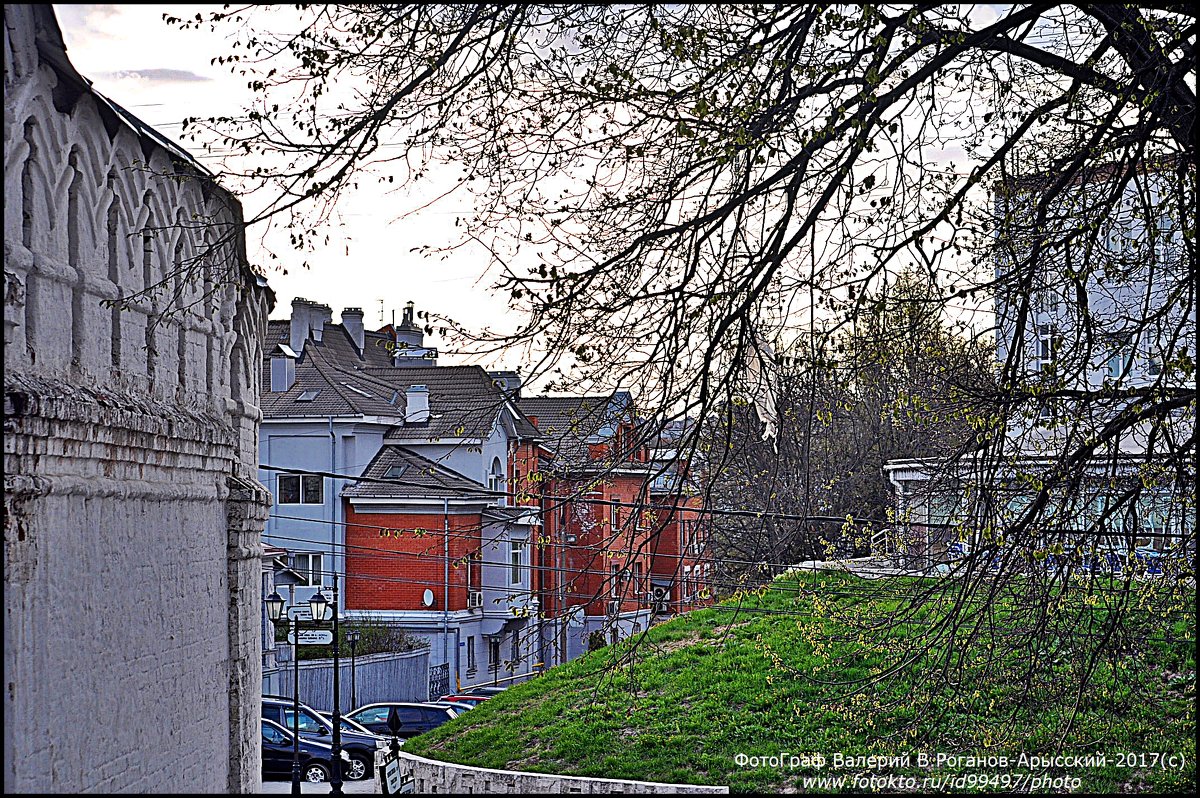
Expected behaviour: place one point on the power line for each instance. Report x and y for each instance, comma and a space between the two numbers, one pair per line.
710, 511
391, 554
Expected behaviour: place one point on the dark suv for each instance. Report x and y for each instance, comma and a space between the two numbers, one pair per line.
359, 747
414, 718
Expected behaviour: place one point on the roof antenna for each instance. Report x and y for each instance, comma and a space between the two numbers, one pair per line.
381, 311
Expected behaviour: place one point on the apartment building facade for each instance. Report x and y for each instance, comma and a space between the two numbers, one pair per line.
1096, 331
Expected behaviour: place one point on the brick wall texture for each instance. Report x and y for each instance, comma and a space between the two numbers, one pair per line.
131, 512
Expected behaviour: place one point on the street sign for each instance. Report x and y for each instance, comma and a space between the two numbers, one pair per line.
312, 637
300, 612
394, 783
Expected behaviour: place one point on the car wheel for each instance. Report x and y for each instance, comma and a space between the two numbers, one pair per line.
315, 772
359, 767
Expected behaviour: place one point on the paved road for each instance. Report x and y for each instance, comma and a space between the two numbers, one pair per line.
365, 787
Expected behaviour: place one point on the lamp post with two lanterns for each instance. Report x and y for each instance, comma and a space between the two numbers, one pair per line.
320, 610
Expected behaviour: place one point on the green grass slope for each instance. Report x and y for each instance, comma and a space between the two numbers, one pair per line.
781, 674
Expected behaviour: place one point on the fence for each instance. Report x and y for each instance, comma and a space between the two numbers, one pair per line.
377, 677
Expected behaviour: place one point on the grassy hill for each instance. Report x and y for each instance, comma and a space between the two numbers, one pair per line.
780, 672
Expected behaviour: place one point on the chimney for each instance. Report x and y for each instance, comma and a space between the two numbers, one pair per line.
320, 316
300, 324
283, 369
417, 410
509, 382
409, 332
352, 320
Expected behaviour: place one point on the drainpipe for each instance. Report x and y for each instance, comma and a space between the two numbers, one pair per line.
901, 506
335, 490
446, 584
457, 686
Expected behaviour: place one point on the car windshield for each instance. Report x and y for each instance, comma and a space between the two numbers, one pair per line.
346, 725
308, 723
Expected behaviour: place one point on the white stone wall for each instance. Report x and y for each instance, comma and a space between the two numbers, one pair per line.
432, 776
132, 512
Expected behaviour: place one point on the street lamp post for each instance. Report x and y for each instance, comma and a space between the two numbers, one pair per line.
275, 605
352, 638
335, 779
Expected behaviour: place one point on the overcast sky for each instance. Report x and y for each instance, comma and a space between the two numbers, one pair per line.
163, 74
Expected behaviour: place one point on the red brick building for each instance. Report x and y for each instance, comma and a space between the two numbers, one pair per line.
681, 576
596, 548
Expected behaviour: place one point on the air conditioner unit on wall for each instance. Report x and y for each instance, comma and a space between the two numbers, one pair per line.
475, 598
660, 600
614, 607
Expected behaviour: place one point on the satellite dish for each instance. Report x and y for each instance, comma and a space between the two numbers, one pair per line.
427, 598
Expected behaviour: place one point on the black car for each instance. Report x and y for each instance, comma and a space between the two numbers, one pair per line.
360, 747
414, 718
278, 750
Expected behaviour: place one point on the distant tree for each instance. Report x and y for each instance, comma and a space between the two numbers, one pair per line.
900, 383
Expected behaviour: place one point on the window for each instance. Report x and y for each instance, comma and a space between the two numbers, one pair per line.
494, 654
515, 556
471, 654
1047, 411
637, 580
496, 479
687, 583
516, 650
615, 515
1153, 365
411, 716
308, 724
301, 489
1117, 365
1047, 348
614, 572
473, 570
310, 565
273, 735
372, 715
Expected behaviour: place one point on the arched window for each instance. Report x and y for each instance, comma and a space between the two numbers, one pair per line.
496, 478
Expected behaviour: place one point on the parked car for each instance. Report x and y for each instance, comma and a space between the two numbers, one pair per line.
489, 691
465, 700
414, 718
278, 751
347, 724
358, 745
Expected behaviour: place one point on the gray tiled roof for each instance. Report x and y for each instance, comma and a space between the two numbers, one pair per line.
339, 392
418, 478
566, 422
464, 401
